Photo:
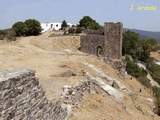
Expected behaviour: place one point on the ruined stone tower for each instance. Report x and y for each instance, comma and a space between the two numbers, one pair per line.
113, 40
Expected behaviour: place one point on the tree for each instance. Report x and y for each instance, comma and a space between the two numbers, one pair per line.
138, 48
20, 28
152, 44
64, 24
88, 23
34, 27
130, 43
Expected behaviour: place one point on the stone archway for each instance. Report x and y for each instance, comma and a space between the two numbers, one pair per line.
99, 51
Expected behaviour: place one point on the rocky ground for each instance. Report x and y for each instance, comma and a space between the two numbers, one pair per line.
57, 63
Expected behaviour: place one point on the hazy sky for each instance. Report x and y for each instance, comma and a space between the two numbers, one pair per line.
73, 10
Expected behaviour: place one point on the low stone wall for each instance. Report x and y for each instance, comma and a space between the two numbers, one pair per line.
22, 98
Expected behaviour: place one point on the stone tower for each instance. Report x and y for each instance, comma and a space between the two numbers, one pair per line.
113, 34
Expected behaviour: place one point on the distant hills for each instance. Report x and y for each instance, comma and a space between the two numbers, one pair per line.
147, 34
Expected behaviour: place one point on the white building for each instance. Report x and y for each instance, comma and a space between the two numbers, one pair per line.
53, 26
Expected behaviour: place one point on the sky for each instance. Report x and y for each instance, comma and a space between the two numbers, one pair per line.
125, 11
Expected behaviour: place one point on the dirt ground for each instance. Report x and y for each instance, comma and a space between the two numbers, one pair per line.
156, 55
57, 62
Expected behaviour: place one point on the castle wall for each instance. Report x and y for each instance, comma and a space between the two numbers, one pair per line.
90, 43
22, 98
109, 38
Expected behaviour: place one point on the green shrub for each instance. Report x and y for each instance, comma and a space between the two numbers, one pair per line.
79, 30
134, 70
154, 70
156, 92
8, 34
2, 34
20, 28
27, 28
152, 44
75, 30
88, 23
33, 27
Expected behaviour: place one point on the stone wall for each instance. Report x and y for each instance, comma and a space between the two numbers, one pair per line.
109, 39
22, 98
91, 42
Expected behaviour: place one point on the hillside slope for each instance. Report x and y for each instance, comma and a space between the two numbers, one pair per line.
58, 63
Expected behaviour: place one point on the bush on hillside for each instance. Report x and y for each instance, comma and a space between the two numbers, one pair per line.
2, 34
8, 34
154, 70
75, 30
152, 44
27, 28
156, 92
133, 69
33, 27
20, 28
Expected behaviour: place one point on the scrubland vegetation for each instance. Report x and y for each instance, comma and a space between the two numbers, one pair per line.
8, 34
28, 28
136, 50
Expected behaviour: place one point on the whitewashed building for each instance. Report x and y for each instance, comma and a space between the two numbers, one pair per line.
53, 26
